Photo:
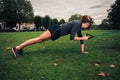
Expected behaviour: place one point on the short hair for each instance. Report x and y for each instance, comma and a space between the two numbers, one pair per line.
87, 19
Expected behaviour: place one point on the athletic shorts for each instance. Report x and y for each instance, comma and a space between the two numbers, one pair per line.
55, 31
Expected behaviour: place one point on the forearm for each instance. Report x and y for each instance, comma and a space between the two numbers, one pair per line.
78, 38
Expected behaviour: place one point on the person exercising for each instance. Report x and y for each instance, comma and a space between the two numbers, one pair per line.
55, 31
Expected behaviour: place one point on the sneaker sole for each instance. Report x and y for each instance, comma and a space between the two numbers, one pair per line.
13, 52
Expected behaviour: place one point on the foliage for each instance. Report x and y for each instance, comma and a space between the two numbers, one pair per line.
1, 9
104, 25
114, 15
75, 17
38, 20
46, 21
54, 21
16, 11
61, 21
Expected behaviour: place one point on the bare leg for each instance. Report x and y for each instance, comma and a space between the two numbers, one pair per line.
43, 37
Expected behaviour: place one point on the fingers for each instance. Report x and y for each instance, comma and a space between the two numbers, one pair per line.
85, 52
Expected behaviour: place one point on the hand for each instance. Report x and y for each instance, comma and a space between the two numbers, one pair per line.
85, 52
85, 37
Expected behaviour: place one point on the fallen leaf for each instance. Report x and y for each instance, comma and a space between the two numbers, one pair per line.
8, 48
102, 74
112, 66
96, 64
55, 64
57, 60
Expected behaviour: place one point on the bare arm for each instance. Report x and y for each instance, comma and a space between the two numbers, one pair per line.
83, 49
81, 38
82, 46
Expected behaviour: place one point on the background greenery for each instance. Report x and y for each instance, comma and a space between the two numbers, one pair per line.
21, 11
38, 60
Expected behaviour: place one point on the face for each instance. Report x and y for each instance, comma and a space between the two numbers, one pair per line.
85, 25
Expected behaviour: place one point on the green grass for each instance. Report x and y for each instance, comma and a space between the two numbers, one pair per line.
37, 62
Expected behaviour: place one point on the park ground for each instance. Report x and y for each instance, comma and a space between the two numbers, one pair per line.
61, 59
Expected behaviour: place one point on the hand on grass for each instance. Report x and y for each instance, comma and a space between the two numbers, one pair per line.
85, 52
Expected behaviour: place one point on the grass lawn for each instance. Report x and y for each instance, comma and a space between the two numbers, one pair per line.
38, 60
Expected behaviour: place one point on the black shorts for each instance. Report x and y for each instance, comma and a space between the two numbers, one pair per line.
55, 31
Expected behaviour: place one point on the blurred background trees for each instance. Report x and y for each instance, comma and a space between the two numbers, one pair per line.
16, 11
113, 18
114, 15
21, 11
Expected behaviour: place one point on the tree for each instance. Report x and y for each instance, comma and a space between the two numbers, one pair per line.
8, 13
114, 15
38, 20
24, 11
1, 9
55, 21
14, 11
28, 12
75, 17
46, 21
61, 21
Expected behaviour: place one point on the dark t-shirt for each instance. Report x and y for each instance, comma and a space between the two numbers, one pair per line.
71, 28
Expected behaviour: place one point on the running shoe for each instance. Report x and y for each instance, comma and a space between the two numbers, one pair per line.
17, 53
